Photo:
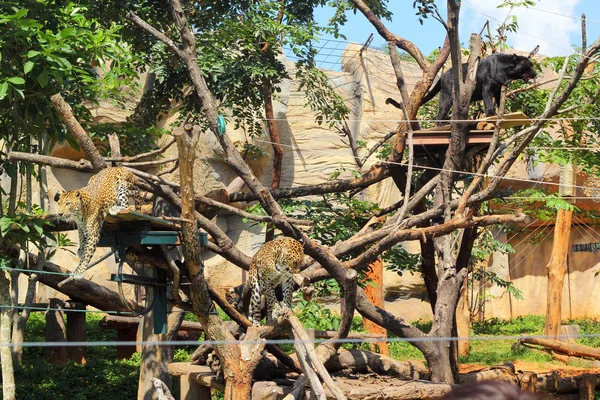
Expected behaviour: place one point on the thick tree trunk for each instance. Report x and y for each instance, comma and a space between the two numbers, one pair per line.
8, 374
274, 135
374, 292
557, 268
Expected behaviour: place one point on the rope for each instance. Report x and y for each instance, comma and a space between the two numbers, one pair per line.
292, 341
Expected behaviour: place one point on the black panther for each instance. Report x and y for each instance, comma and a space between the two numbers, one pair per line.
494, 71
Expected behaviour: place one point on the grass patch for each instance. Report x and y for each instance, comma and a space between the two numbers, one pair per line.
100, 379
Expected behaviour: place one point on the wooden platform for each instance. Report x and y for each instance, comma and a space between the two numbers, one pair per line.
480, 132
139, 221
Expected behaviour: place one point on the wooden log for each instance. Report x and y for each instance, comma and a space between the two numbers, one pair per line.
56, 331
556, 382
587, 387
500, 372
359, 361
304, 344
527, 381
557, 268
394, 389
571, 349
76, 332
264, 390
81, 290
352, 335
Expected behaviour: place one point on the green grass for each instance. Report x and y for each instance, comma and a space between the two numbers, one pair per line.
491, 351
103, 377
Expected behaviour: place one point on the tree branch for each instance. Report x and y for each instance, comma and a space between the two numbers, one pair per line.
404, 44
84, 140
376, 174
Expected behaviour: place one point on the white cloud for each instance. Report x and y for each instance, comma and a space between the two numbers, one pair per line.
551, 32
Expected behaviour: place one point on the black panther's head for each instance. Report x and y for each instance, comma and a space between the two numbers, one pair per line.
522, 68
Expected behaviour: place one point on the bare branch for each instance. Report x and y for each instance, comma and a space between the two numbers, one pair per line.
376, 174
143, 155
404, 44
82, 137
405, 99
157, 34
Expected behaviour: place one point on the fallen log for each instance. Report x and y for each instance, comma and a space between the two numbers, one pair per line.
309, 359
359, 361
570, 349
552, 382
390, 388
556, 382
498, 372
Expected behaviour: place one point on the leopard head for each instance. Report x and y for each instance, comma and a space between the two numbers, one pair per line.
70, 203
523, 68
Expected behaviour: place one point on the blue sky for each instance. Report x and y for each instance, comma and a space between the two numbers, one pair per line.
556, 34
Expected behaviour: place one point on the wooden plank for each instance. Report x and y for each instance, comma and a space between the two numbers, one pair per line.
134, 216
442, 138
511, 120
200, 374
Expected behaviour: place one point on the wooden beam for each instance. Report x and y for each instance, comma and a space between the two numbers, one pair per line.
374, 292
76, 332
557, 268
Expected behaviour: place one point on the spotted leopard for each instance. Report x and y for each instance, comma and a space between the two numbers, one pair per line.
273, 264
106, 193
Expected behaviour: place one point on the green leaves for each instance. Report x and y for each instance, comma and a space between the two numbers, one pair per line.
3, 89
15, 80
27, 67
25, 228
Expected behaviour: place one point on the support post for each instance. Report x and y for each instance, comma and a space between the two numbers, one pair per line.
374, 292
557, 268
56, 332
76, 332
192, 390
